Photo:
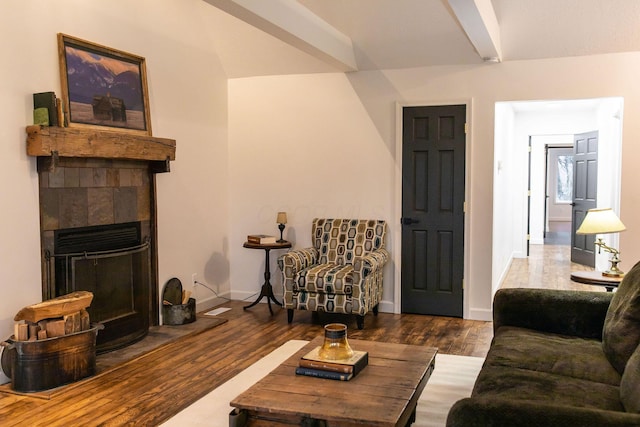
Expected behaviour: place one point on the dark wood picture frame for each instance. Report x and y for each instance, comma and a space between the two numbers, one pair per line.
103, 87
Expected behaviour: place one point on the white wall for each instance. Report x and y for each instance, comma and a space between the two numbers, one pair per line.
188, 100
506, 180
305, 145
325, 109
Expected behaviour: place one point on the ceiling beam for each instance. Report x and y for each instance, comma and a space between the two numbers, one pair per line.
479, 21
295, 25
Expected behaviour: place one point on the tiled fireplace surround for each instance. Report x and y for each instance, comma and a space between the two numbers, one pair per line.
93, 177
82, 192
85, 192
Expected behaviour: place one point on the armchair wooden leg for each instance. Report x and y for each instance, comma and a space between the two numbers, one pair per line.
360, 321
289, 315
375, 310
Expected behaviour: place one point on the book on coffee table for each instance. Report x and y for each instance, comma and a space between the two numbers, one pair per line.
311, 364
319, 373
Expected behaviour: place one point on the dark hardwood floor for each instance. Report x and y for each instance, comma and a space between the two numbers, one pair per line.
152, 388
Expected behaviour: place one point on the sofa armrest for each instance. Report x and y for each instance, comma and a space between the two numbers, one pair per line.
297, 259
493, 412
575, 313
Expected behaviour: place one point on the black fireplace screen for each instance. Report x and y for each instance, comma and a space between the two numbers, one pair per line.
114, 263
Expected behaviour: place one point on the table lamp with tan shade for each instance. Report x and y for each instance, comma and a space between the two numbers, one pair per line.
281, 220
604, 221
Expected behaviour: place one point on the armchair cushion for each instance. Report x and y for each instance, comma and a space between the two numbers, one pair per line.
343, 240
326, 278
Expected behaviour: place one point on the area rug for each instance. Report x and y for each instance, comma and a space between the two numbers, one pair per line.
451, 380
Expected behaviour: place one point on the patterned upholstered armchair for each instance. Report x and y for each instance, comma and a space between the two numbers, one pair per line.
341, 273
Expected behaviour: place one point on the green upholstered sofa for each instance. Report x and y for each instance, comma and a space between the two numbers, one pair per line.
341, 272
560, 358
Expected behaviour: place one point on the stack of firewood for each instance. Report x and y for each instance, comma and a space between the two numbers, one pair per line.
56, 317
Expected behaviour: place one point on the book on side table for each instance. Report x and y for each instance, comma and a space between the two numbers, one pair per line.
261, 239
311, 364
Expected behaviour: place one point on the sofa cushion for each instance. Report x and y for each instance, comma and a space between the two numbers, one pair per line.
621, 331
629, 386
327, 278
501, 382
564, 355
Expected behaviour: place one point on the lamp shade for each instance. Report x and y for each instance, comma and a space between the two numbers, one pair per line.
600, 221
282, 218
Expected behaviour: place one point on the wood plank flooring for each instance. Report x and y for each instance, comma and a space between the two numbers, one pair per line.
152, 388
158, 385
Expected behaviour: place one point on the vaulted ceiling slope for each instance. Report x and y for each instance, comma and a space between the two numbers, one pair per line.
268, 37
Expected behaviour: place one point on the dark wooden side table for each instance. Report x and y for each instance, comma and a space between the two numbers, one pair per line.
267, 289
596, 278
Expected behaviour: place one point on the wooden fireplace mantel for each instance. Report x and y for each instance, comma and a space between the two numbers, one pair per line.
52, 141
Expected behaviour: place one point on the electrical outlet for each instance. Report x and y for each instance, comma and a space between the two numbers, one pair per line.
194, 279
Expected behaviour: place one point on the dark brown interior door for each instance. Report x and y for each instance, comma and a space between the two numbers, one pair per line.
585, 189
433, 170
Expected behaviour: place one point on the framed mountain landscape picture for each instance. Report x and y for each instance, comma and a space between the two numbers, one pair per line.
103, 87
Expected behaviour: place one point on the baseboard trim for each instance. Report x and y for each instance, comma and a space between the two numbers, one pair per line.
481, 314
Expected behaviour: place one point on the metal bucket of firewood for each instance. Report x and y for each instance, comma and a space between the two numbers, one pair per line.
179, 314
52, 362
53, 344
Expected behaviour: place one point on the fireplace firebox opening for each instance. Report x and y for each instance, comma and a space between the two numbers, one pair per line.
113, 262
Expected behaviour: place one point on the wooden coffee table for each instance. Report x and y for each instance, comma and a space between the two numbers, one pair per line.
385, 393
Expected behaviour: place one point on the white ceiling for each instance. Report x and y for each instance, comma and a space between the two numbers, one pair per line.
390, 34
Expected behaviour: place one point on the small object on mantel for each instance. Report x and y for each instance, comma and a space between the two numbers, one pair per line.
56, 307
41, 116
48, 101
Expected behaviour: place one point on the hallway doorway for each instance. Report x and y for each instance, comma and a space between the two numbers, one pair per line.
559, 175
516, 123
559, 233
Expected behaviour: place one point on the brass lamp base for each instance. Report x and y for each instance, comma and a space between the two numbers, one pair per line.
613, 271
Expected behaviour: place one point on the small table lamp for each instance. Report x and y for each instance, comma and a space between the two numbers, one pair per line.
604, 221
281, 220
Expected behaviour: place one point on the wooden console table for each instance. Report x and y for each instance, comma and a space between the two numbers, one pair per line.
596, 278
267, 289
